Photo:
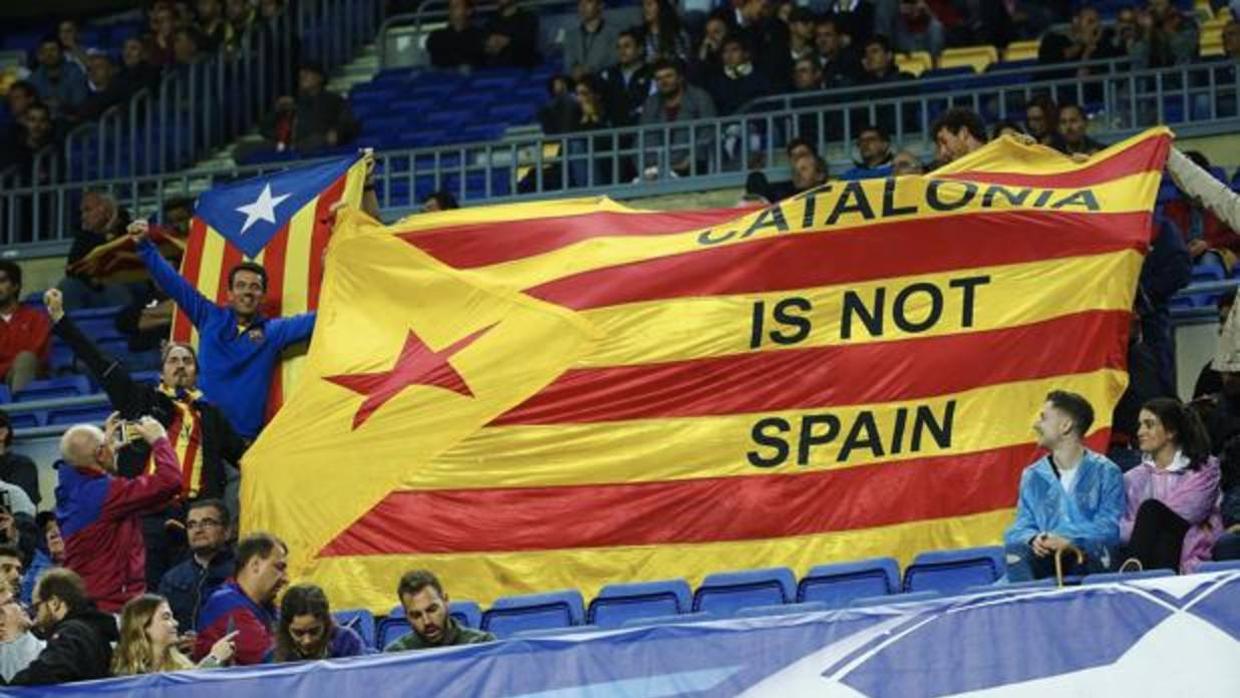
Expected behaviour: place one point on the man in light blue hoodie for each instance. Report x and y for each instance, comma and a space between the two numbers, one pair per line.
1070, 496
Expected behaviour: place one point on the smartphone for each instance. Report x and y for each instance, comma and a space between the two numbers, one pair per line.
125, 434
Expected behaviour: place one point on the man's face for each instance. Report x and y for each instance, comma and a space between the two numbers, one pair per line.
458, 12
99, 70
668, 81
905, 164
427, 612
803, 29
805, 173
49, 54
1051, 426
826, 39
97, 212
1072, 125
270, 574
877, 59
1126, 23
179, 369
131, 53
11, 571
206, 530
178, 218
55, 543
208, 10
246, 294
18, 100
9, 292
38, 123
872, 147
1087, 22
752, 10
734, 55
67, 32
716, 30
806, 75
47, 613
626, 50
798, 152
589, 10
162, 21
309, 81
1035, 121
951, 145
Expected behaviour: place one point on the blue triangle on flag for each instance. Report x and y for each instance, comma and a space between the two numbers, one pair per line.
251, 212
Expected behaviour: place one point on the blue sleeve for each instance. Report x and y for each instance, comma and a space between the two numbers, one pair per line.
291, 330
195, 305
1025, 526
1104, 527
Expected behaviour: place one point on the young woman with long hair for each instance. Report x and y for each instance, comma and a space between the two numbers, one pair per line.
149, 639
308, 631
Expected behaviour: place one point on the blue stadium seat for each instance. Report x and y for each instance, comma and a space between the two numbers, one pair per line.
556, 632
28, 420
83, 314
391, 627
837, 584
1108, 577
467, 613
512, 614
1219, 566
948, 571
5, 395
617, 603
725, 593
360, 620
146, 377
894, 599
52, 388
782, 609
671, 620
80, 414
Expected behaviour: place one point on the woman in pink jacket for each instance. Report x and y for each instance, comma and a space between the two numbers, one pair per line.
1172, 516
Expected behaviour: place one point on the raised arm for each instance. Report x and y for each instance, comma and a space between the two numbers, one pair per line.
150, 491
114, 379
195, 305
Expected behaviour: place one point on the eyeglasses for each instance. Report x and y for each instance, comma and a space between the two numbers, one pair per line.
205, 523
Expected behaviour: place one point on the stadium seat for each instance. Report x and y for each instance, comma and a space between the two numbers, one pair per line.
837, 584
782, 609
146, 377
894, 599
27, 420
391, 628
1022, 50
5, 395
976, 57
360, 620
671, 620
617, 603
1219, 566
556, 632
467, 613
916, 62
83, 314
1108, 577
78, 414
512, 614
53, 388
948, 571
725, 593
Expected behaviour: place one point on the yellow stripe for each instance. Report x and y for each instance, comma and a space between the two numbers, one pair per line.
209, 269
370, 582
652, 450
1008, 155
507, 213
1133, 193
1018, 294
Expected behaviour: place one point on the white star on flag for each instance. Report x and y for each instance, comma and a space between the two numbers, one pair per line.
263, 208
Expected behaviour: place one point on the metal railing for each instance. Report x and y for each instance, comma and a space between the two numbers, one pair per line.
435, 11
694, 155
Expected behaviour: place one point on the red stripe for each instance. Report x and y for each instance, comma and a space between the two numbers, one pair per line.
273, 262
230, 258
191, 263
834, 375
1150, 154
191, 472
483, 244
320, 235
808, 260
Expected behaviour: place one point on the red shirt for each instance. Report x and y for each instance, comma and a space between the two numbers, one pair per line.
28, 329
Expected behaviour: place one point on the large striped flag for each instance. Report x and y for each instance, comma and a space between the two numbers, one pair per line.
281, 221
853, 372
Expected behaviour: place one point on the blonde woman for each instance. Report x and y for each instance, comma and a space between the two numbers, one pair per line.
149, 639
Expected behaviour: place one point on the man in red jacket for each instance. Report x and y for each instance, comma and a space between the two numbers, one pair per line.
25, 332
100, 513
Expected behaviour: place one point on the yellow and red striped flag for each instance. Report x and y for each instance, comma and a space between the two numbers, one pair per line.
850, 373
281, 221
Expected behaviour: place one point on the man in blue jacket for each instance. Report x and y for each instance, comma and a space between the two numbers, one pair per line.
238, 348
1070, 496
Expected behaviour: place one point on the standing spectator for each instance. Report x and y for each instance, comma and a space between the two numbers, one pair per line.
137, 72
916, 28
1166, 269
460, 42
215, 31
1086, 40
24, 341
879, 63
50, 554
102, 221
676, 100
100, 512
307, 630
1069, 497
1172, 517
1042, 121
315, 120
245, 604
105, 91
426, 608
1073, 127
588, 46
511, 37
187, 45
957, 132
70, 42
210, 564
236, 365
839, 63
873, 154
18, 646
661, 33
15, 468
159, 50
854, 18
60, 83
148, 641
627, 84
1165, 37
80, 637
737, 82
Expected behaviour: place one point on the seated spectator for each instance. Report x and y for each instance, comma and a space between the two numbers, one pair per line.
61, 84
245, 604
102, 221
100, 513
17, 527
426, 608
1126, 31
1172, 518
807, 76
80, 637
211, 563
187, 45
675, 100
757, 186
1087, 40
661, 32
957, 132
708, 58
737, 83
315, 120
785, 47
307, 630
627, 83
105, 91
49, 554
588, 46
241, 16
148, 641
37, 135
873, 154
511, 37
1006, 128
808, 172
556, 116
1203, 231
12, 566
18, 99
25, 346
159, 50
856, 18
916, 28
1227, 547
137, 72
214, 30
460, 42
1209, 381
1231, 40
15, 468
838, 60
18, 646
439, 201
906, 163
1165, 38
1042, 121
69, 36
1069, 497
1223, 419
879, 63
1073, 128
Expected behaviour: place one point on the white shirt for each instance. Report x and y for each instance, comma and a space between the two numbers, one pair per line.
1067, 478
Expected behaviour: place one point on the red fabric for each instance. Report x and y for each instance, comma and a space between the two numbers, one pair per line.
1215, 232
28, 330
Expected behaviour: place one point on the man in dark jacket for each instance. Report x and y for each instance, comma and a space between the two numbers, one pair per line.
102, 221
315, 120
460, 42
188, 585
737, 82
79, 644
627, 83
511, 37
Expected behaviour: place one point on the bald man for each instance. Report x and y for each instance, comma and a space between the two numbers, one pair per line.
100, 513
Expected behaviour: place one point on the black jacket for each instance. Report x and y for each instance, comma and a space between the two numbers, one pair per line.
188, 585
625, 99
220, 442
79, 649
19, 470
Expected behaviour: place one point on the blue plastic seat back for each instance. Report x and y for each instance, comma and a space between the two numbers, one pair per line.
949, 571
467, 613
837, 584
725, 593
618, 603
360, 620
512, 614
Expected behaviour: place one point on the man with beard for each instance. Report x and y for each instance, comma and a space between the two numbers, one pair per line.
79, 637
426, 608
